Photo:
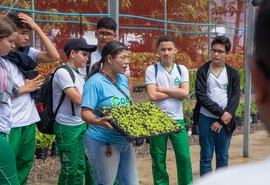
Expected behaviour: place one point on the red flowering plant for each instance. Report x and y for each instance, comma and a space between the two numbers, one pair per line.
236, 60
45, 68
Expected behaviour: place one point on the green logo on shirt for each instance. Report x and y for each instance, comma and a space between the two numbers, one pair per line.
176, 81
225, 87
116, 101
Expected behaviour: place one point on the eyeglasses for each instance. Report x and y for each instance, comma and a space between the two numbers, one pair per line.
218, 51
105, 34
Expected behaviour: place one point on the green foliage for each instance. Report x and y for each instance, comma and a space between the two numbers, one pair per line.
192, 80
142, 119
242, 75
253, 108
240, 110
188, 106
44, 140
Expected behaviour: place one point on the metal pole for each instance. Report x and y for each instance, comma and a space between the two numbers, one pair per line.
108, 7
165, 17
209, 29
249, 52
81, 30
114, 13
33, 35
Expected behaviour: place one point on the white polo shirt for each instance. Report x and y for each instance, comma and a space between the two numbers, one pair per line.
24, 111
172, 79
61, 81
5, 117
217, 91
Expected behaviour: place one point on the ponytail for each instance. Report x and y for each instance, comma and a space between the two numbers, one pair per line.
112, 48
96, 67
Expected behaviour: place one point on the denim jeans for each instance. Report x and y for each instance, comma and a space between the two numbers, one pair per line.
210, 142
120, 165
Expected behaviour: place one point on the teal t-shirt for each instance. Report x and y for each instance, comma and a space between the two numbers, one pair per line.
99, 92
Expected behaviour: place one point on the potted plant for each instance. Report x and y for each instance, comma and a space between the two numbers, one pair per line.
254, 113
43, 143
239, 114
54, 150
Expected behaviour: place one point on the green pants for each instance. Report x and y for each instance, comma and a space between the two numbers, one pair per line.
158, 150
8, 172
70, 143
23, 143
89, 179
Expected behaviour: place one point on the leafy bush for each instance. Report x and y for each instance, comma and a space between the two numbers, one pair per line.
240, 110
253, 108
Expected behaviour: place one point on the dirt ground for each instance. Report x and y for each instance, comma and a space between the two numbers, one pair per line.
259, 149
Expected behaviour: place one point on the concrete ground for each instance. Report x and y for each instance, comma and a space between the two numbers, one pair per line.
259, 149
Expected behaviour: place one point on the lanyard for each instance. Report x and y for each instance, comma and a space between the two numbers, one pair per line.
3, 75
109, 78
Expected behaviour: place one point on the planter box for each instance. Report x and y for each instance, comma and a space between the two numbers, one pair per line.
148, 121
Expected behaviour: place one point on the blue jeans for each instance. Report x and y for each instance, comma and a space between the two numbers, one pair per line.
211, 141
120, 165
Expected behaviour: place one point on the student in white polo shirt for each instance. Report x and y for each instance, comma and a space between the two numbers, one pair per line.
22, 136
8, 172
217, 93
167, 85
69, 127
256, 172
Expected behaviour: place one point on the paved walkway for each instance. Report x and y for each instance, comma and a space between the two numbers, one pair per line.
259, 149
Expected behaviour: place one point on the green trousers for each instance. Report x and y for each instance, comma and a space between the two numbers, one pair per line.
158, 150
70, 143
8, 172
23, 143
89, 179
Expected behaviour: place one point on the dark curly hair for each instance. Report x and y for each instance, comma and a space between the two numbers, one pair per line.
166, 38
223, 40
13, 16
108, 23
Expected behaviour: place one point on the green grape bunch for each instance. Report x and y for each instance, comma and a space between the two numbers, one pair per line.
142, 119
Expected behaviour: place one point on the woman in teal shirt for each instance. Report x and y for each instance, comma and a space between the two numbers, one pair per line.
110, 154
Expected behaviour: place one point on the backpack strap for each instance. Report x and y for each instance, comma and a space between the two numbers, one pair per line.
63, 94
178, 69
60, 103
156, 69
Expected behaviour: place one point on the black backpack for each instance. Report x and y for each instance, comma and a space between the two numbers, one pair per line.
45, 103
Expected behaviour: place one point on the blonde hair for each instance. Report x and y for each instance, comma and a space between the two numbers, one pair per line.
7, 27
